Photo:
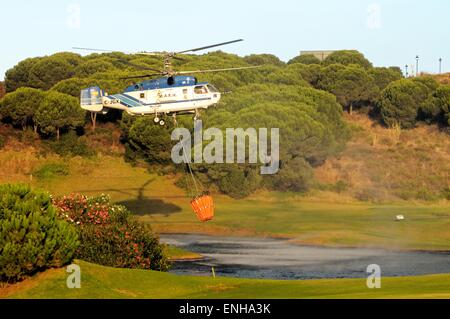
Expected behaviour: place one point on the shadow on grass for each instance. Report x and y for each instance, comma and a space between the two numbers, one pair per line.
148, 206
145, 205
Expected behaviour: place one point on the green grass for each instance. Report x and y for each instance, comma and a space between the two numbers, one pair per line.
51, 170
176, 253
158, 201
104, 282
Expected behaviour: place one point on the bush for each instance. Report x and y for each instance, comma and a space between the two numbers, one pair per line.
109, 235
295, 175
32, 238
27, 137
71, 145
239, 183
123, 246
426, 195
373, 195
51, 170
339, 187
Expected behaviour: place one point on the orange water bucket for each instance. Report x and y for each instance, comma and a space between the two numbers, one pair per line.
203, 207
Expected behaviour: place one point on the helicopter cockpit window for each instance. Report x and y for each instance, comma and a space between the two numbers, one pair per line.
212, 88
200, 90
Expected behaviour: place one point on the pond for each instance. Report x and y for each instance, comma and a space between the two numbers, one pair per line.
279, 259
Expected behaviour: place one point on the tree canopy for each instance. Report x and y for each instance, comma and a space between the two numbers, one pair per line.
384, 76
19, 76
350, 84
437, 107
21, 105
400, 102
347, 57
305, 59
59, 111
263, 59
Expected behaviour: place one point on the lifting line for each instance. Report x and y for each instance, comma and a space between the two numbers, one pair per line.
188, 163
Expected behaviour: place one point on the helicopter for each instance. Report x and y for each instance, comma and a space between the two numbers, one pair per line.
176, 92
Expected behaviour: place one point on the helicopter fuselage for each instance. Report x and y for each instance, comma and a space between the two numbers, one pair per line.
172, 95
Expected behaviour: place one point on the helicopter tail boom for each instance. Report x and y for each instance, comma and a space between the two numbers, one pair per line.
96, 100
91, 99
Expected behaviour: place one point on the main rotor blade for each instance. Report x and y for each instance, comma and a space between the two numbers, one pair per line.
141, 76
209, 46
98, 50
150, 53
125, 52
218, 70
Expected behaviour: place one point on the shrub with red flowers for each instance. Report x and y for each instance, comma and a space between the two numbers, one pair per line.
80, 209
109, 234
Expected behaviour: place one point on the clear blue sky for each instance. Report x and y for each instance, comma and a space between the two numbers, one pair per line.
388, 32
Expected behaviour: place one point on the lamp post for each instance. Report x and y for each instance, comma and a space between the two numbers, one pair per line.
440, 65
417, 65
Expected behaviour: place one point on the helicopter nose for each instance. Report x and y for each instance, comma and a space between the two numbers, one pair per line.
216, 96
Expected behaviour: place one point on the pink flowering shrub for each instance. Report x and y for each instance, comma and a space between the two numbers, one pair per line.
109, 235
80, 209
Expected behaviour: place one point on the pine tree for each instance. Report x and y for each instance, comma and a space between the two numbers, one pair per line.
32, 237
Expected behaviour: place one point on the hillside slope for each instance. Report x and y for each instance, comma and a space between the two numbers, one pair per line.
442, 78
381, 164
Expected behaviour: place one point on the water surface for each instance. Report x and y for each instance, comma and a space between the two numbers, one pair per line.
279, 259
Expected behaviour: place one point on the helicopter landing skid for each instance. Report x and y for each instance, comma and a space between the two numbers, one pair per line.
197, 115
174, 116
